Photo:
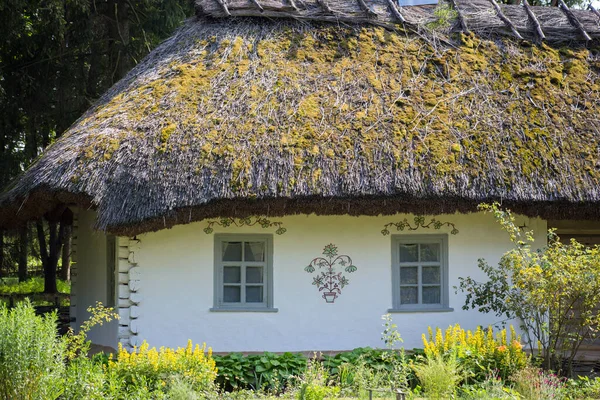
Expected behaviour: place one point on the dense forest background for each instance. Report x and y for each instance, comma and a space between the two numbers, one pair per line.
56, 58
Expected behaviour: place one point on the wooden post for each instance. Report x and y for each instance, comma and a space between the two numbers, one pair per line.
395, 12
573, 19
534, 20
505, 19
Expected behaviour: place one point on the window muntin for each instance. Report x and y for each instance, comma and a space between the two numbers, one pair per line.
243, 271
419, 272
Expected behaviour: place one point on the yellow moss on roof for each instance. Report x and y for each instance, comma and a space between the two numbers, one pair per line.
335, 96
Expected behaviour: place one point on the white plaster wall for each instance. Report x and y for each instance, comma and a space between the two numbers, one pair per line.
91, 277
177, 285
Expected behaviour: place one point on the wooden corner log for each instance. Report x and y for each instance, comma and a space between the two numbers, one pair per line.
505, 19
461, 18
534, 20
224, 7
395, 12
257, 4
573, 19
366, 8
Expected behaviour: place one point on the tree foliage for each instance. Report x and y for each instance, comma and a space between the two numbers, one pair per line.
56, 58
553, 291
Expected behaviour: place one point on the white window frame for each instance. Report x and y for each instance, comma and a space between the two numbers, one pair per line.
442, 240
219, 304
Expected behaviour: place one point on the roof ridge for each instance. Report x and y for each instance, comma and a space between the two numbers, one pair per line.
523, 21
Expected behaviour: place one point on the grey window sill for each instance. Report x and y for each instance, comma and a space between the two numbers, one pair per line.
244, 309
420, 310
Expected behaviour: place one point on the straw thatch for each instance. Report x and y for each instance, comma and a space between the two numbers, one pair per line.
241, 116
482, 16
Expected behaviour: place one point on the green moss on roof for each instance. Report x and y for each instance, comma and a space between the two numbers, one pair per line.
339, 94
264, 109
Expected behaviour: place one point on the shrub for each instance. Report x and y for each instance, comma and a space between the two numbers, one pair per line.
479, 352
269, 372
151, 370
84, 379
439, 377
31, 354
313, 384
582, 388
535, 384
561, 281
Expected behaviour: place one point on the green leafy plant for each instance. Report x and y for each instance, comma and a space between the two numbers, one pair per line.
554, 291
314, 384
481, 353
268, 371
150, 370
536, 384
31, 354
438, 376
582, 387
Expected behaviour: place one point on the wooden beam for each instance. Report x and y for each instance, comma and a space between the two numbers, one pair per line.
325, 6
573, 19
593, 9
534, 20
257, 4
366, 8
505, 19
395, 12
461, 19
224, 7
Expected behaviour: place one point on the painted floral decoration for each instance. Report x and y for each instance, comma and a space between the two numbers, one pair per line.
419, 222
248, 221
329, 280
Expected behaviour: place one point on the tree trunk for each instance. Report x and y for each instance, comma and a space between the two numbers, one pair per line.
22, 273
65, 272
1, 251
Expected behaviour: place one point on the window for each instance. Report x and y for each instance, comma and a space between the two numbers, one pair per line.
243, 273
420, 273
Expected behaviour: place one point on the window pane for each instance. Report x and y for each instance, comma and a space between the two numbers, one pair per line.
432, 295
431, 275
409, 253
409, 295
254, 251
254, 275
254, 294
409, 275
430, 252
232, 275
232, 294
232, 251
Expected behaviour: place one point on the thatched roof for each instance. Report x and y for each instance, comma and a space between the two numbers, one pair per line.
240, 116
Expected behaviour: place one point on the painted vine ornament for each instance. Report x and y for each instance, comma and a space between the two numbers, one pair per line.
419, 222
329, 280
248, 221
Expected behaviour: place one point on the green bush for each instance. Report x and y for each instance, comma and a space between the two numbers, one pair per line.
438, 376
33, 285
84, 379
150, 371
313, 384
268, 372
31, 355
480, 352
582, 388
535, 384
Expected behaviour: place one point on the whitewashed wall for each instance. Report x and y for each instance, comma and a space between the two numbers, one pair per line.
176, 285
91, 282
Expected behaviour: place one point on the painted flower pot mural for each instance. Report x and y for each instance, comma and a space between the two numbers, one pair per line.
329, 280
